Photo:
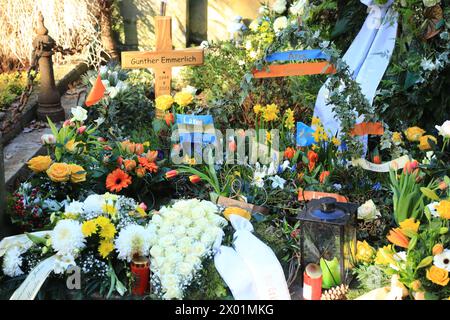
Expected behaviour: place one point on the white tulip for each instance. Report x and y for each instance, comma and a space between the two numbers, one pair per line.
444, 130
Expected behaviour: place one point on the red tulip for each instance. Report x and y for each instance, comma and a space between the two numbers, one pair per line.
411, 167
232, 145
289, 153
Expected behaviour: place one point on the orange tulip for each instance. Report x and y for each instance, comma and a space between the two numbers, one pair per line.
139, 149
323, 176
312, 158
151, 156
289, 153
411, 166
169, 118
129, 164
140, 171
397, 237
194, 179
171, 174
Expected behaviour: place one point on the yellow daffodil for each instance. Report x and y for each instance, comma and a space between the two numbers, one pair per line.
271, 112
290, 120
257, 108
315, 121
336, 141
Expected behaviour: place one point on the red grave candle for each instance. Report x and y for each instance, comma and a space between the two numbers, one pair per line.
312, 282
140, 275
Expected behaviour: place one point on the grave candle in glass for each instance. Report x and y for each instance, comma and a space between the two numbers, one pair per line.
140, 275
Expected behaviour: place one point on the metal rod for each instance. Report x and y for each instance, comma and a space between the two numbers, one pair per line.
163, 7
2, 192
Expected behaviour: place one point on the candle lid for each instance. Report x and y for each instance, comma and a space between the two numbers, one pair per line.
313, 271
139, 260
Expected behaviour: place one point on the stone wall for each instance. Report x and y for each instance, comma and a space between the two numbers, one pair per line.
193, 20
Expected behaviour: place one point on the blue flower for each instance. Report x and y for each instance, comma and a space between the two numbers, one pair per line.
376, 186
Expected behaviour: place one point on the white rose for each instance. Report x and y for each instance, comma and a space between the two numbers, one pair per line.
185, 222
263, 10
79, 114
48, 139
198, 249
279, 6
185, 269
194, 232
75, 207
431, 3
190, 89
93, 203
157, 220
173, 257
368, 211
280, 24
167, 268
209, 207
166, 241
192, 259
173, 292
444, 130
298, 8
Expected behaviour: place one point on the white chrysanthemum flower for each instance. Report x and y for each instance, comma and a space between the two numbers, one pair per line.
67, 237
12, 261
63, 262
442, 260
93, 203
132, 240
75, 207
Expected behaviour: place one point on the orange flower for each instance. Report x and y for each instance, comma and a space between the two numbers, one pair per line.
397, 237
323, 176
128, 146
129, 165
150, 166
151, 156
312, 158
140, 171
169, 118
194, 179
289, 153
117, 180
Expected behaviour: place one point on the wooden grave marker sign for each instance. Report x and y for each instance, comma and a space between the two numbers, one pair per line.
163, 58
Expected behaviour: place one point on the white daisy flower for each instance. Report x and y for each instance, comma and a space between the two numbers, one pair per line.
442, 260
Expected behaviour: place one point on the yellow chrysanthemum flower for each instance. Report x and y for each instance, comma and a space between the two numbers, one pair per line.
108, 231
271, 112
290, 120
102, 221
105, 248
89, 228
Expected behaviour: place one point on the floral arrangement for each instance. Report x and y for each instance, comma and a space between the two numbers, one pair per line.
184, 238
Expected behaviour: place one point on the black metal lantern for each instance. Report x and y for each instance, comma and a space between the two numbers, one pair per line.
328, 238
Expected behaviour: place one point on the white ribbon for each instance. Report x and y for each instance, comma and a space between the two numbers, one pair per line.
368, 58
251, 270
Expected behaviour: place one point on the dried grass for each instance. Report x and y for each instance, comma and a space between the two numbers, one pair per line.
72, 23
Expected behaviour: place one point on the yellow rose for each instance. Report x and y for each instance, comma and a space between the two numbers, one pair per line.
39, 163
443, 208
414, 133
183, 99
77, 173
164, 102
364, 252
237, 211
424, 143
438, 248
409, 225
385, 255
59, 172
438, 276
71, 145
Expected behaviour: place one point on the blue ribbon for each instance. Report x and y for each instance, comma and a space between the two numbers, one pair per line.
194, 119
298, 55
304, 135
